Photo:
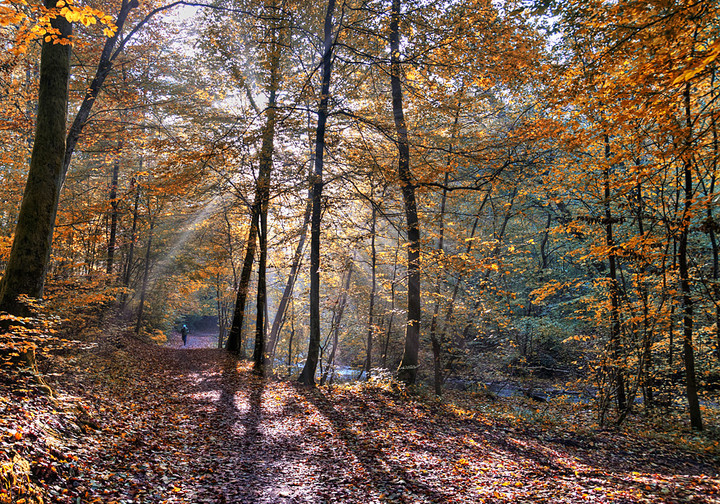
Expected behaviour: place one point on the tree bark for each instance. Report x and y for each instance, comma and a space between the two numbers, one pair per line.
234, 343
373, 288
290, 340
687, 303
131, 246
407, 371
146, 274
435, 340
392, 307
307, 376
615, 343
113, 213
108, 55
263, 195
336, 326
279, 319
30, 254
711, 219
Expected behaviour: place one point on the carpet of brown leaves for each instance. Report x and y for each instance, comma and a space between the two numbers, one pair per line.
137, 423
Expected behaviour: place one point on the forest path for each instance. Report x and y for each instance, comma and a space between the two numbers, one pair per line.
195, 339
196, 426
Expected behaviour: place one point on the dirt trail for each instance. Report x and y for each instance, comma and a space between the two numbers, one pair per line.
196, 426
195, 339
189, 426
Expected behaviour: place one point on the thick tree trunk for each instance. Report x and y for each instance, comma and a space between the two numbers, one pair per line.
259, 348
30, 254
407, 371
307, 376
234, 343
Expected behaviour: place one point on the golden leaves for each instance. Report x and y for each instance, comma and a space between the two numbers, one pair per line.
35, 22
693, 70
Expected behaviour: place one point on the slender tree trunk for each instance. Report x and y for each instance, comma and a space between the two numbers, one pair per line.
646, 361
711, 219
30, 253
392, 306
434, 337
113, 212
336, 325
131, 246
290, 340
231, 249
451, 306
289, 285
146, 274
220, 311
687, 303
373, 288
499, 235
108, 55
407, 371
307, 376
615, 344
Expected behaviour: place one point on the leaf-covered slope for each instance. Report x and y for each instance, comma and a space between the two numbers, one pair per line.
148, 425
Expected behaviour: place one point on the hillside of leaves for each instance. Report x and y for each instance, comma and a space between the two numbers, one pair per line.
131, 421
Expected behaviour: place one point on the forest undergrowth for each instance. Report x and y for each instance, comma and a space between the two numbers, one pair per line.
132, 422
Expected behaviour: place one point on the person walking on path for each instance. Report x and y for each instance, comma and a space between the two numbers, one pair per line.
184, 333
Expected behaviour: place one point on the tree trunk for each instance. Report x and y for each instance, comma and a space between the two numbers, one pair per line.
292, 335
499, 235
30, 254
263, 194
687, 303
407, 371
131, 246
146, 274
392, 307
451, 306
307, 376
615, 343
711, 218
113, 213
646, 361
220, 311
259, 349
336, 326
108, 55
434, 337
234, 343
279, 319
373, 288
